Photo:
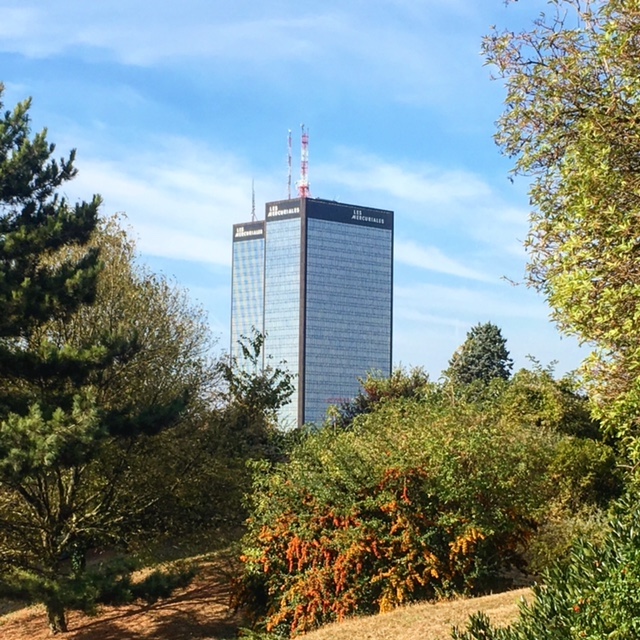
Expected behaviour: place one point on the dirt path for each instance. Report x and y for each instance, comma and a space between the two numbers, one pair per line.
198, 612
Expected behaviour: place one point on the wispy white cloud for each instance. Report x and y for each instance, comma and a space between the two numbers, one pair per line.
181, 244
467, 303
501, 229
431, 320
421, 184
251, 39
460, 205
353, 44
145, 32
16, 22
345, 66
433, 259
180, 198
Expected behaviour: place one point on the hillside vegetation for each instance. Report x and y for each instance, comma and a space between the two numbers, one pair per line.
434, 490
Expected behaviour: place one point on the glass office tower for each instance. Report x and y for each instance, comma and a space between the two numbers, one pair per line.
247, 284
328, 287
282, 299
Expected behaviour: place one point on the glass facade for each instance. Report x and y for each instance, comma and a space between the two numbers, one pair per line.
317, 278
247, 284
348, 310
282, 304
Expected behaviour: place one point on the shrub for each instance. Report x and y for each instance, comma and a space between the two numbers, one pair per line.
534, 397
594, 594
421, 498
555, 537
375, 389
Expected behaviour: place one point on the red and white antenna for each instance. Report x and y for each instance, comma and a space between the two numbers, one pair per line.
303, 185
289, 148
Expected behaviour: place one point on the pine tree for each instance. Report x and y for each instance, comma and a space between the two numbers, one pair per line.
55, 500
34, 223
483, 356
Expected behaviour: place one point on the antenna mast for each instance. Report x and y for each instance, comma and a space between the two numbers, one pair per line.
253, 202
303, 185
289, 147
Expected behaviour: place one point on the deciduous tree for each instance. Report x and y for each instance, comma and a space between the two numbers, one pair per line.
572, 123
252, 396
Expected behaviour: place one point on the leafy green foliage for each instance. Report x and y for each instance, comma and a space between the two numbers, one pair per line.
429, 493
191, 480
82, 377
251, 398
483, 357
584, 468
421, 498
594, 594
536, 397
375, 389
266, 389
587, 472
150, 467
562, 527
571, 122
31, 444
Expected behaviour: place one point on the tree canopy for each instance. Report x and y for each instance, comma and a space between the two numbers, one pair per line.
483, 356
572, 123
375, 389
69, 389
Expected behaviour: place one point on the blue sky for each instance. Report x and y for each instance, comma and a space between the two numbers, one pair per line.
175, 108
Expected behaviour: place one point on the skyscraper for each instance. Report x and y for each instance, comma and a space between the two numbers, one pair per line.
317, 277
247, 290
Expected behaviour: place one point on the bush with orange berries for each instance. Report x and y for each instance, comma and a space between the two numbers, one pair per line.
421, 498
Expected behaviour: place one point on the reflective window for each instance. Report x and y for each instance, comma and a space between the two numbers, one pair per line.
247, 287
348, 314
282, 304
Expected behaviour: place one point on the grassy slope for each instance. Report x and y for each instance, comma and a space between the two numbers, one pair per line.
424, 621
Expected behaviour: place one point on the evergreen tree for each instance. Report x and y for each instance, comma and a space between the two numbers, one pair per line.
483, 356
53, 427
34, 223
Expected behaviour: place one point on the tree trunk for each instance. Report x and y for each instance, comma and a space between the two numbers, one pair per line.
57, 618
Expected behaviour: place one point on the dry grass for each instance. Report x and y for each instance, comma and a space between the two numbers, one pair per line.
424, 621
